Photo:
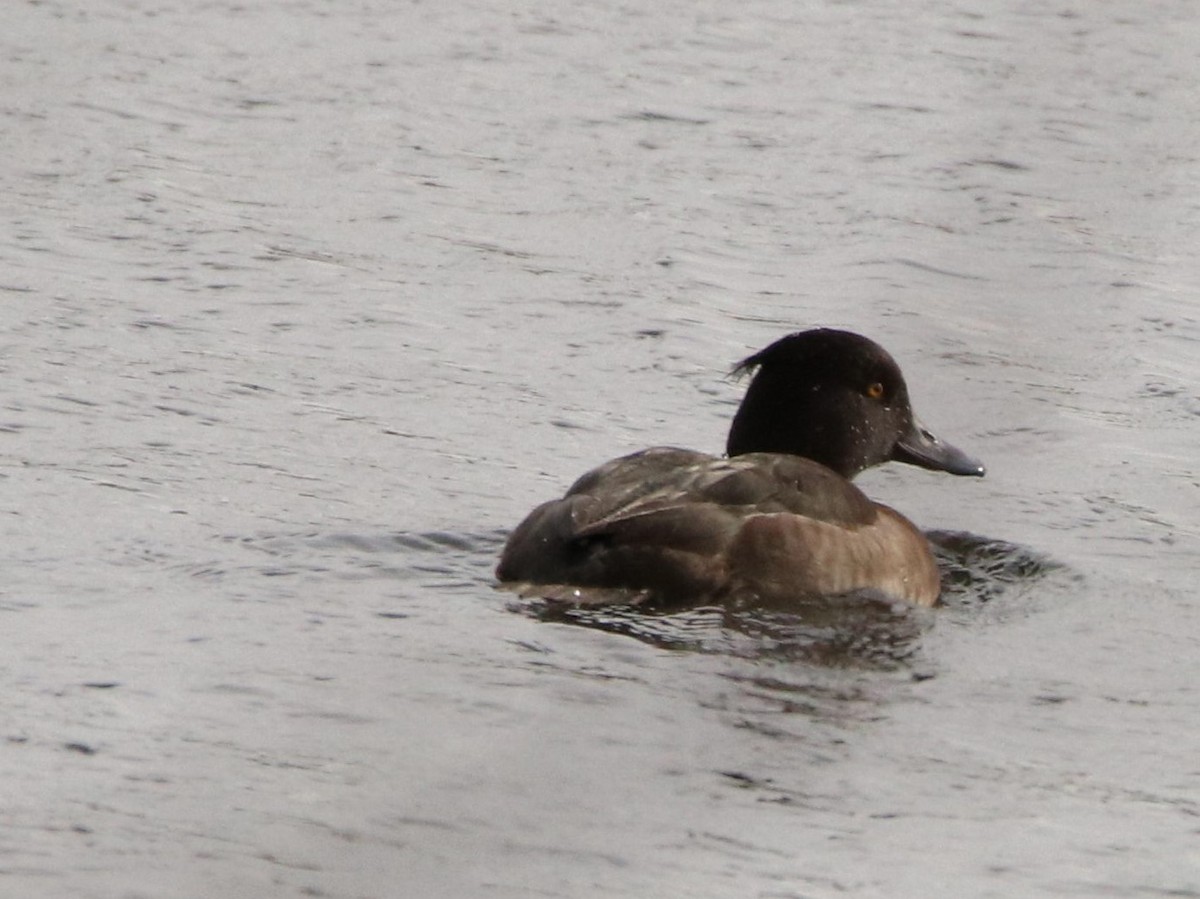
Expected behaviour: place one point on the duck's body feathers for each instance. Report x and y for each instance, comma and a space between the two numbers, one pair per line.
681, 523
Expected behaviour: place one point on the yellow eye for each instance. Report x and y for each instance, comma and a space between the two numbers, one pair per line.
875, 391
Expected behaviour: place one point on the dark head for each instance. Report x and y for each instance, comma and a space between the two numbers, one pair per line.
838, 399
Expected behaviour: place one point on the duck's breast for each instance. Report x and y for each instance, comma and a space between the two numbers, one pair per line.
783, 554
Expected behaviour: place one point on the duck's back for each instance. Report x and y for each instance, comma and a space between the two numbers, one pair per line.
684, 525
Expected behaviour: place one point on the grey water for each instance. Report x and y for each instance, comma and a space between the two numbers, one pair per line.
304, 305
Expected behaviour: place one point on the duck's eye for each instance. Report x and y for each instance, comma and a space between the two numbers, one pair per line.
874, 391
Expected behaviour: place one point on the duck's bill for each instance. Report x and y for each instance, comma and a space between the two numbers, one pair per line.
921, 448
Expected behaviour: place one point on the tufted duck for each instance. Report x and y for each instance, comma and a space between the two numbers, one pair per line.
777, 519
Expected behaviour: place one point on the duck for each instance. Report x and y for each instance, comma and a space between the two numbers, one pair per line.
776, 519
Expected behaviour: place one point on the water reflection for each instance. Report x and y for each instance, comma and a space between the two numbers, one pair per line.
849, 632
977, 570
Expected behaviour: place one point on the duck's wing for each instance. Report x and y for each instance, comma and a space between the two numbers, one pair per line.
559, 541
663, 519
755, 483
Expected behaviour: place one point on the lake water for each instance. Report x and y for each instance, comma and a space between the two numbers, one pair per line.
306, 304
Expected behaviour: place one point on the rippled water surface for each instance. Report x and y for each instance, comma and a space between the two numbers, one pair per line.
306, 304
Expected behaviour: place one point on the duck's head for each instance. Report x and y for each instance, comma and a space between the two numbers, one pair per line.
839, 399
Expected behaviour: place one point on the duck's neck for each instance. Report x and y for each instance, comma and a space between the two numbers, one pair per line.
770, 420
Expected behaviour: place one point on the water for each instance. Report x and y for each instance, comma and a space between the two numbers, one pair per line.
305, 306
